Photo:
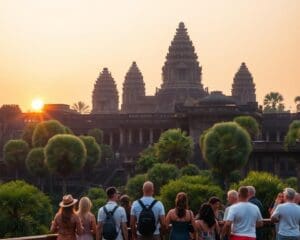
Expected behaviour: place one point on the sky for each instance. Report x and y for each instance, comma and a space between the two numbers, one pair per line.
55, 49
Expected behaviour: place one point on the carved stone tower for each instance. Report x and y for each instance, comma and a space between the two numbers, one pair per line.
181, 73
105, 94
243, 87
133, 89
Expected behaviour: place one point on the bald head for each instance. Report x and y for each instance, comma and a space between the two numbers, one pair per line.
148, 188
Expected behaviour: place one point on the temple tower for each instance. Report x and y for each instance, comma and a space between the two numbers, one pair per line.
181, 73
105, 94
243, 87
133, 89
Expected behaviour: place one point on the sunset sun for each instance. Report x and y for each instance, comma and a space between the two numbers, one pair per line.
37, 104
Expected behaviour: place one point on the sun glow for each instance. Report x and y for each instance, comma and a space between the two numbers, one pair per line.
37, 105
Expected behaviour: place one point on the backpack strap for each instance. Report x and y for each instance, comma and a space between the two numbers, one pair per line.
143, 205
152, 204
110, 212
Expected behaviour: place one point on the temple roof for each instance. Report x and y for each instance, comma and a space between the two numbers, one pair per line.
243, 74
134, 77
217, 98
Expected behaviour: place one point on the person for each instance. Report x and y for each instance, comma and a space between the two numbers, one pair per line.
297, 199
253, 199
87, 219
288, 215
181, 218
66, 223
206, 223
125, 203
215, 203
119, 215
279, 200
243, 217
157, 209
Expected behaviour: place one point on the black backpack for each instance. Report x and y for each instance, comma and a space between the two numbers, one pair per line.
146, 224
109, 230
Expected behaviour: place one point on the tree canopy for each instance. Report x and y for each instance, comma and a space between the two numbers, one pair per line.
273, 102
249, 124
93, 151
81, 107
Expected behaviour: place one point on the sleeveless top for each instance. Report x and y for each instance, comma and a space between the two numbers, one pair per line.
180, 229
87, 233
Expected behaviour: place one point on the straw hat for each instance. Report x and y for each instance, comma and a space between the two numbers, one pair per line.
68, 201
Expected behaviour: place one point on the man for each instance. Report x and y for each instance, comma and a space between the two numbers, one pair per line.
232, 198
297, 198
119, 215
157, 209
242, 218
253, 199
288, 215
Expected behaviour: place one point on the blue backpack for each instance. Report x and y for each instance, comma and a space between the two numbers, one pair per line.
109, 230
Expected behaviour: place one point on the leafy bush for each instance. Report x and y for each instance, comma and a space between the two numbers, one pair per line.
98, 197
190, 170
134, 186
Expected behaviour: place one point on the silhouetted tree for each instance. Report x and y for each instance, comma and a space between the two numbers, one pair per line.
97, 134
45, 130
65, 154
15, 152
175, 147
249, 124
226, 147
28, 132
80, 107
93, 151
273, 102
297, 101
107, 154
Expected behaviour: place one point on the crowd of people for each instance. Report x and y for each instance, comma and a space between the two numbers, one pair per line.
145, 219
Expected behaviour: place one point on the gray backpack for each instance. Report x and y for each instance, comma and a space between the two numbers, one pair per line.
109, 230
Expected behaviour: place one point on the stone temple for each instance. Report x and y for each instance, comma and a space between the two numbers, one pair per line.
180, 102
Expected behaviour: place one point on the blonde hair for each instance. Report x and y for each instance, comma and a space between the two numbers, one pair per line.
85, 206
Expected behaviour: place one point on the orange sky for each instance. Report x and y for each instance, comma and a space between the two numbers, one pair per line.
55, 49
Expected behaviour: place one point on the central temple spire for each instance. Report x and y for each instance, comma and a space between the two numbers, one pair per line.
181, 72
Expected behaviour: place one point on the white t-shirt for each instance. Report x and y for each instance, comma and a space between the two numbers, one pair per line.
244, 216
289, 219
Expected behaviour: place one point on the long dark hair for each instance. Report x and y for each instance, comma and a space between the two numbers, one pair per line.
206, 213
181, 204
66, 214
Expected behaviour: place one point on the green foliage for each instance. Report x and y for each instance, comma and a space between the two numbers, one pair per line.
35, 162
107, 153
24, 210
45, 130
198, 188
162, 173
97, 134
293, 135
175, 147
189, 170
93, 151
249, 124
273, 102
267, 187
98, 198
291, 182
146, 160
226, 147
80, 107
134, 186
15, 152
28, 132
65, 154
68, 130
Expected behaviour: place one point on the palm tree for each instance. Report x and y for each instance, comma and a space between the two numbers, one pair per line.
81, 107
273, 102
297, 101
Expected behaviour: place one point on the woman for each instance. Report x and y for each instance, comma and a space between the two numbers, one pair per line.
125, 203
279, 200
88, 220
66, 223
206, 224
181, 218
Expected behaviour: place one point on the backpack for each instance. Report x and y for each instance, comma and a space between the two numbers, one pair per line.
109, 230
146, 224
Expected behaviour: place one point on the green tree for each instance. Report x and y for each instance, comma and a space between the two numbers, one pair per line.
97, 134
80, 107
65, 154
267, 187
175, 147
93, 151
290, 141
162, 173
45, 130
28, 132
98, 197
198, 189
297, 101
35, 163
273, 102
226, 147
134, 186
190, 170
249, 124
146, 160
15, 152
24, 210
107, 154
